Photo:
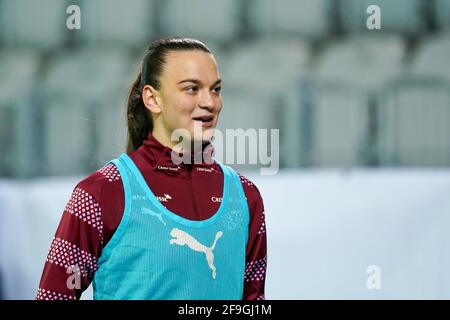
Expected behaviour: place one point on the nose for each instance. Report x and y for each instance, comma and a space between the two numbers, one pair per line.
207, 101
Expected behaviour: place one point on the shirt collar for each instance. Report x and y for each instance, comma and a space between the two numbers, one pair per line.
160, 156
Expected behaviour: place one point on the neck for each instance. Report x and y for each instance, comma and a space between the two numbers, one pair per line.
186, 145
164, 138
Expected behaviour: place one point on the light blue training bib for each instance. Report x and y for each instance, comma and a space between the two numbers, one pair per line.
156, 254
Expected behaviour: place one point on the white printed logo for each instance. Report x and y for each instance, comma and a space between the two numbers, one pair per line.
158, 215
182, 238
164, 198
216, 199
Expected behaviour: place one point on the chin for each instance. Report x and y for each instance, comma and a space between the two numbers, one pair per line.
208, 134
204, 136
203, 139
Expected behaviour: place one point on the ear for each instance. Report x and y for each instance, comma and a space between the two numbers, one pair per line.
151, 99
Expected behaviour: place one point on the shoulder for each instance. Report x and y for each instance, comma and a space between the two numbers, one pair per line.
106, 177
252, 193
101, 194
255, 206
103, 187
250, 188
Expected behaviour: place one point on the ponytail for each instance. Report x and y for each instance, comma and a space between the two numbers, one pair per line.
139, 120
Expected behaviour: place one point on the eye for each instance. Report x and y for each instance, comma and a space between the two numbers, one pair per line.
217, 89
191, 89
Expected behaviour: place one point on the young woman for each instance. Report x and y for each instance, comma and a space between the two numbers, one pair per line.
146, 227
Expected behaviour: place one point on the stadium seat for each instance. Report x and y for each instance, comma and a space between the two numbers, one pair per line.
306, 18
88, 71
339, 122
363, 61
431, 59
267, 64
208, 20
84, 110
129, 23
415, 124
18, 71
347, 76
442, 14
34, 24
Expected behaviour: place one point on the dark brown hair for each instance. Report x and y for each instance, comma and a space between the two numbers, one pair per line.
139, 120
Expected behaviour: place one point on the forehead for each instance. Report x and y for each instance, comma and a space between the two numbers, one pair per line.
192, 64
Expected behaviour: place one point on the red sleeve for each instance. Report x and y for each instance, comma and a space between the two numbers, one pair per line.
82, 233
256, 251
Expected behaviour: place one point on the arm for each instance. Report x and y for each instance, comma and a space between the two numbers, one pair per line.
256, 251
72, 258
86, 225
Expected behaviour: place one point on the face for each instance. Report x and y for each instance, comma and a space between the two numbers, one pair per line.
189, 94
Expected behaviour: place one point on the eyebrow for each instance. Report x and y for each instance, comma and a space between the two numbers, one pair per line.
218, 81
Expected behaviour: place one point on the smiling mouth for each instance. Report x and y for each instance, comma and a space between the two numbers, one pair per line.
205, 121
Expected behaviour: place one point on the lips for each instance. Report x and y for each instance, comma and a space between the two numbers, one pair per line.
206, 120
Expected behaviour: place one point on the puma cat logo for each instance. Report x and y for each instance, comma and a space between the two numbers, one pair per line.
182, 238
156, 215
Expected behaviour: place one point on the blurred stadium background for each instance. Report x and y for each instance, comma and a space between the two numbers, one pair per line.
364, 119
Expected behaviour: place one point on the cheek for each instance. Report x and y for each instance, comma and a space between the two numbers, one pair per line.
220, 106
181, 111
218, 103
186, 109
